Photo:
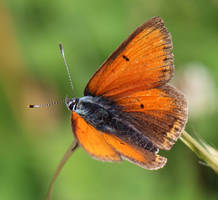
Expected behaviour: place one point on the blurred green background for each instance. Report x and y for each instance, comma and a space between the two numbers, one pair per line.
32, 142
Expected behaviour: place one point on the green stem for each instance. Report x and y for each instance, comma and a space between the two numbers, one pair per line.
205, 152
65, 158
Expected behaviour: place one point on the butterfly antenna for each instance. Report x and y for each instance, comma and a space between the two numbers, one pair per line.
66, 65
44, 104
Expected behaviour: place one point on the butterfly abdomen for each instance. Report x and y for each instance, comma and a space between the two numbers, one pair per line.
106, 117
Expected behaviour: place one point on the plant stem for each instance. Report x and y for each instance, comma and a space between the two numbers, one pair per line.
65, 158
205, 152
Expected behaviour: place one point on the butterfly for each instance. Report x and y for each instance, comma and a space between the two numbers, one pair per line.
129, 111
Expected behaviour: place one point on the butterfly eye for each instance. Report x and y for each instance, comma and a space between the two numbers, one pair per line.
71, 103
71, 106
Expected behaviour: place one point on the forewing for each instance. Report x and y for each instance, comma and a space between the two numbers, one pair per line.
136, 155
159, 113
92, 140
144, 60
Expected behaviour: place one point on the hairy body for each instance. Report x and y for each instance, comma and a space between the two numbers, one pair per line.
107, 117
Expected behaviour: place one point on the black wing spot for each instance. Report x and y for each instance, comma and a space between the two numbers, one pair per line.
126, 58
142, 106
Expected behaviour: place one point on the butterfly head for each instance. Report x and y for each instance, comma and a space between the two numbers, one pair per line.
71, 103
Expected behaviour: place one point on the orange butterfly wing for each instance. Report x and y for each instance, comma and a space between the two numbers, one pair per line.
144, 60
159, 113
134, 77
92, 140
139, 156
107, 147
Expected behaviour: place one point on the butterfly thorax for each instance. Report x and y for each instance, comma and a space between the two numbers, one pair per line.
106, 116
